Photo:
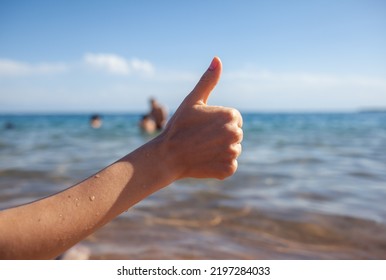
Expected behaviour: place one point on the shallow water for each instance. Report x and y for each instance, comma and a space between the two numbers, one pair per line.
309, 186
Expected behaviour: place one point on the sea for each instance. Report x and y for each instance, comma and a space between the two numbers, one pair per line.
308, 186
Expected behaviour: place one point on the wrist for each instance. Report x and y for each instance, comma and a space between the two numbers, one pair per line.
164, 158
153, 165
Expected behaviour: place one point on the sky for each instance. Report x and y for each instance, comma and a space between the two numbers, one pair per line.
112, 56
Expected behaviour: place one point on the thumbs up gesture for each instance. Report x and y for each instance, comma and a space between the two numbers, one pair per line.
203, 141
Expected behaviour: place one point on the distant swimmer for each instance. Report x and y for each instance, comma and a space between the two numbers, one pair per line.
95, 121
158, 114
8, 125
147, 124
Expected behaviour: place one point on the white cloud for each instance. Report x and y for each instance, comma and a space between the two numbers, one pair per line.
109, 63
306, 89
273, 90
303, 80
118, 65
10, 67
142, 66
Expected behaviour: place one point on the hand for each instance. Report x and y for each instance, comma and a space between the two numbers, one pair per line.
204, 141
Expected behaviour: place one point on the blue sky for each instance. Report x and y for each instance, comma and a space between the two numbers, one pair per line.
111, 56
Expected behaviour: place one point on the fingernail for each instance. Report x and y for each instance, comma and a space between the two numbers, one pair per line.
213, 64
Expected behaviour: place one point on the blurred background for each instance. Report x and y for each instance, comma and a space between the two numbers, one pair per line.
308, 76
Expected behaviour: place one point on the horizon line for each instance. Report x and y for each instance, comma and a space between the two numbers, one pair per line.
246, 111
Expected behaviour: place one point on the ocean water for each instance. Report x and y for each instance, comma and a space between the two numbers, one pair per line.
309, 186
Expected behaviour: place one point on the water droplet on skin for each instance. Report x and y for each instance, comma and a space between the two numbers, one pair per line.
92, 198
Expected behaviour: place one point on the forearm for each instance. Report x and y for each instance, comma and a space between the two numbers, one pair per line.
46, 228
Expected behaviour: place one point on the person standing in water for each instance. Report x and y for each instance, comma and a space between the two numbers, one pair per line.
158, 114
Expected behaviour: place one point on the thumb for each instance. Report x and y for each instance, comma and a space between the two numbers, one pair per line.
206, 84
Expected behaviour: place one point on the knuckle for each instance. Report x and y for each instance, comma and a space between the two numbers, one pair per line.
232, 115
234, 151
234, 133
239, 134
237, 115
239, 120
228, 115
232, 167
229, 169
